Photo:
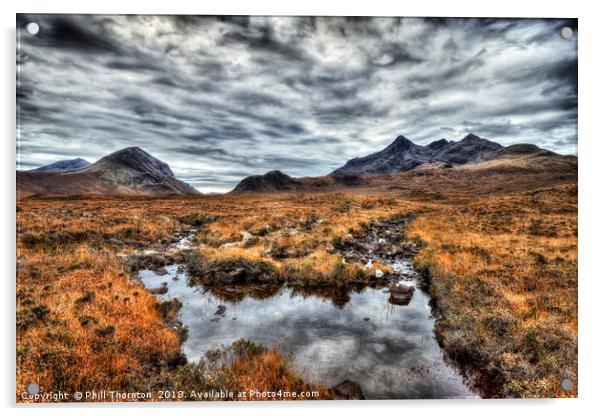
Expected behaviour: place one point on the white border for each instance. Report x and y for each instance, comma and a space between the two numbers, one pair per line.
590, 151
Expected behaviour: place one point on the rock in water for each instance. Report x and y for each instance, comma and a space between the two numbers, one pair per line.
349, 390
158, 290
401, 294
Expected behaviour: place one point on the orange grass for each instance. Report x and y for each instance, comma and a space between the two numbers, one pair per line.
503, 269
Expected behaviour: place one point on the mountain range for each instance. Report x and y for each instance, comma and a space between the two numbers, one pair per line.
132, 171
403, 155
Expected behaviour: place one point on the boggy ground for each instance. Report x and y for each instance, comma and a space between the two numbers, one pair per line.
502, 270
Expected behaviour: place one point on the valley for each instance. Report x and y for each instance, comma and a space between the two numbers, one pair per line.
431, 282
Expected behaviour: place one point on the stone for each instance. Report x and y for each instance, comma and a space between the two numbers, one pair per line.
349, 390
401, 294
158, 290
162, 271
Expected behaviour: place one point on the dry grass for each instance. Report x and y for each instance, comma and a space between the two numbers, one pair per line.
503, 269
244, 368
81, 324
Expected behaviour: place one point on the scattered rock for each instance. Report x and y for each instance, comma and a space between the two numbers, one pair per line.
366, 318
221, 309
379, 273
349, 390
230, 290
116, 241
162, 271
158, 290
246, 236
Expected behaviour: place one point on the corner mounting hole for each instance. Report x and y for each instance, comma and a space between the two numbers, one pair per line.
32, 28
566, 384
566, 32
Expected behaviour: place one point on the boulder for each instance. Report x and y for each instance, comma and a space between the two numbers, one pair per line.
400, 294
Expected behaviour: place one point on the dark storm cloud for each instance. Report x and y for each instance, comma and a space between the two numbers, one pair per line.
223, 97
71, 33
263, 42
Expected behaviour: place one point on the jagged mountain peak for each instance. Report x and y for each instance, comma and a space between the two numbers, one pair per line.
401, 143
471, 137
437, 144
402, 154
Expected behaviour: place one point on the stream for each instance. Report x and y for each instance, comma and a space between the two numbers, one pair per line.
389, 348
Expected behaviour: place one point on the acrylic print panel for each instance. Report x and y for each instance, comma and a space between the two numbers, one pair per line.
312, 208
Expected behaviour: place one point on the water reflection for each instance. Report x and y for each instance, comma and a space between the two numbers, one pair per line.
389, 349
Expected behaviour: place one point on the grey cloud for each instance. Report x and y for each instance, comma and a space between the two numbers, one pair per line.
264, 41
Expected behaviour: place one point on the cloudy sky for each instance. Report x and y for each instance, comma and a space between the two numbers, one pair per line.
220, 98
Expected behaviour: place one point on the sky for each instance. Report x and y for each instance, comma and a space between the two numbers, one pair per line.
221, 98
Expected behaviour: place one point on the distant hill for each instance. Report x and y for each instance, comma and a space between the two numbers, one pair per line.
403, 155
130, 171
70, 165
273, 181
